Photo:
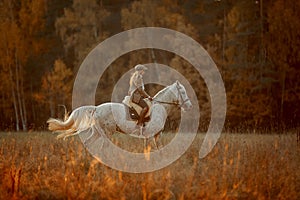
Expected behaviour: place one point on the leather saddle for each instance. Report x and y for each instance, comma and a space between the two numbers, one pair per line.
133, 110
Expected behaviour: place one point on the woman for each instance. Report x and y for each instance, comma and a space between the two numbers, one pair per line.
137, 91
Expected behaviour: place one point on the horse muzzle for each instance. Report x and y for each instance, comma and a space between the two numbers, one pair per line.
187, 106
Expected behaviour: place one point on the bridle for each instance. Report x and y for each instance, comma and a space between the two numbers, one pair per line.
176, 103
183, 101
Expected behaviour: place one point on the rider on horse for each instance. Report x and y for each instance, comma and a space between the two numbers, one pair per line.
137, 92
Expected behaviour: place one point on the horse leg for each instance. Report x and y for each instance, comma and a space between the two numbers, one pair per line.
155, 144
96, 133
155, 140
89, 140
66, 133
145, 143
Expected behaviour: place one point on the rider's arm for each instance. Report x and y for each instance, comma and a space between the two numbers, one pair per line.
140, 86
143, 92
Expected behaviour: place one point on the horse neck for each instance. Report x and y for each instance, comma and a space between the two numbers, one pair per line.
166, 95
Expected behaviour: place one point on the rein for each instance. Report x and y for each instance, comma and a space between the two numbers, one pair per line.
164, 102
174, 103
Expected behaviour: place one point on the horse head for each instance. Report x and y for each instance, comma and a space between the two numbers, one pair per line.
174, 94
182, 98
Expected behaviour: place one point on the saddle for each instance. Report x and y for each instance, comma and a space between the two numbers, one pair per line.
133, 110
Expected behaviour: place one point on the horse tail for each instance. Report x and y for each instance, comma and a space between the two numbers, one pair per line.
79, 120
66, 115
59, 125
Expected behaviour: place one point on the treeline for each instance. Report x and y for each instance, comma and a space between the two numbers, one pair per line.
255, 44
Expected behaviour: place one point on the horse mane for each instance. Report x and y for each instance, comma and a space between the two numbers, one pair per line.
163, 91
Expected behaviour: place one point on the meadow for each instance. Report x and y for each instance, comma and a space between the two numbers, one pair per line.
35, 165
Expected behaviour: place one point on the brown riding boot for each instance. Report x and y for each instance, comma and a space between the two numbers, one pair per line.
142, 116
141, 120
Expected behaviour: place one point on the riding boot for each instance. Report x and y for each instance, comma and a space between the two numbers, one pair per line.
139, 126
142, 116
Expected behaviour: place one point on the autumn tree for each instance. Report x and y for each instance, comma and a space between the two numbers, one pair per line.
255, 44
283, 42
146, 13
21, 24
56, 88
235, 46
81, 27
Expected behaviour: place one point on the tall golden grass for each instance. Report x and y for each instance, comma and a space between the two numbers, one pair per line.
241, 166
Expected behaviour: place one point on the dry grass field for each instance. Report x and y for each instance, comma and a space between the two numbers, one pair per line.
241, 166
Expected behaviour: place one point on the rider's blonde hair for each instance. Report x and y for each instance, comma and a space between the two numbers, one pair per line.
132, 77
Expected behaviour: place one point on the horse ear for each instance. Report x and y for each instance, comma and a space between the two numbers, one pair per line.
177, 82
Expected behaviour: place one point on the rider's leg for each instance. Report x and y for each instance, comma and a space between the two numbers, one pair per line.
144, 105
142, 116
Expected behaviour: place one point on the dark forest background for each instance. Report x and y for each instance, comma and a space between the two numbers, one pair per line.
255, 44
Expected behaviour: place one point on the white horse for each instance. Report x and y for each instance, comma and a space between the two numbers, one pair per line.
112, 117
